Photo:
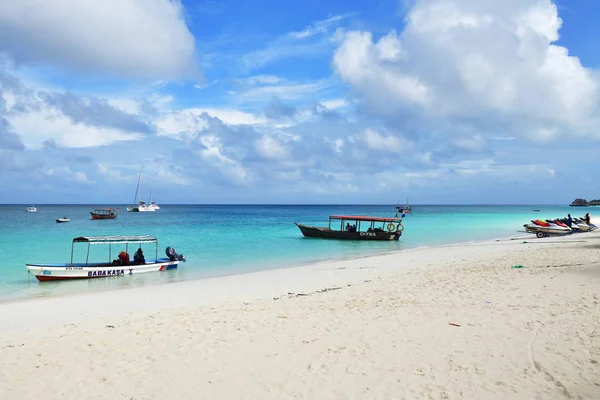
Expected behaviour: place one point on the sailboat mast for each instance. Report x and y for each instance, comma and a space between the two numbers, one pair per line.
136, 200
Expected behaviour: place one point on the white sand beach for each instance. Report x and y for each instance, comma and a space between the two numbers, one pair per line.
450, 322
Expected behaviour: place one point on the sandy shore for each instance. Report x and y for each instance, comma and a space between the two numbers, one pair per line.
452, 322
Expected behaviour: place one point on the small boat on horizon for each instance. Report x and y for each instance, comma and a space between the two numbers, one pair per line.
117, 267
105, 213
139, 205
62, 220
373, 228
405, 209
31, 209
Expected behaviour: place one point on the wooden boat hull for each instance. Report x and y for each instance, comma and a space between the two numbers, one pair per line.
54, 272
102, 216
326, 233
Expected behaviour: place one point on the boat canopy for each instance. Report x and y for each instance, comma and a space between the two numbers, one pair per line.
115, 239
364, 218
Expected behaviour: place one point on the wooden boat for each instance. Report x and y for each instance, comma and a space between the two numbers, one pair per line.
62, 220
105, 213
363, 228
86, 270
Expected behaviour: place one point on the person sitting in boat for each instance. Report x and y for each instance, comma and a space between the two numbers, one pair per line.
123, 258
138, 257
348, 227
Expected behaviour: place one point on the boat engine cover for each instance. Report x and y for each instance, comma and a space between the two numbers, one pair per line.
173, 256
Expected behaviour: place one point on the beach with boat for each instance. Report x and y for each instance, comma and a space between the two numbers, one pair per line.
493, 313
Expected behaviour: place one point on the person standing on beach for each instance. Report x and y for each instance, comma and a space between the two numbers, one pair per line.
587, 218
569, 220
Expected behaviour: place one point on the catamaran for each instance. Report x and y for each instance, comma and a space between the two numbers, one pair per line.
141, 206
102, 269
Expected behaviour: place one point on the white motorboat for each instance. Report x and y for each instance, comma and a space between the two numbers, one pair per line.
31, 209
118, 267
62, 220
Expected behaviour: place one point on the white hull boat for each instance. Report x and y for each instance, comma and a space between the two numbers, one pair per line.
118, 267
31, 209
141, 206
53, 272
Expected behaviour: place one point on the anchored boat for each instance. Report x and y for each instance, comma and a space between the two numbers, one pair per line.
353, 227
117, 267
105, 213
141, 206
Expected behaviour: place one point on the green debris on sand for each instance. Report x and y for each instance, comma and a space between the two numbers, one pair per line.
518, 266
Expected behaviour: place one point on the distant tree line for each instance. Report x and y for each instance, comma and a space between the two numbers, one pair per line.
585, 203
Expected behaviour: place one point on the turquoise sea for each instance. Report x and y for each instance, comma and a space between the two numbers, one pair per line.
229, 239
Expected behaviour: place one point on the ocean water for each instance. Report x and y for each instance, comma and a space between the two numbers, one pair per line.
228, 239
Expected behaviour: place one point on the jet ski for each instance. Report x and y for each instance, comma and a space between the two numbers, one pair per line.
543, 228
583, 226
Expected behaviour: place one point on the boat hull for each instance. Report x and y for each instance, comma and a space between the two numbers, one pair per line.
54, 272
326, 233
102, 216
62, 220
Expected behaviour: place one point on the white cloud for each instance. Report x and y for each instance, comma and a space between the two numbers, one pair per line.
311, 42
262, 79
375, 141
137, 38
475, 143
112, 175
188, 121
212, 152
37, 126
270, 148
135, 106
334, 103
65, 173
480, 63
283, 91
319, 27
359, 62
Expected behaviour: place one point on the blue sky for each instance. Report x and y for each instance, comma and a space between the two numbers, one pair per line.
437, 101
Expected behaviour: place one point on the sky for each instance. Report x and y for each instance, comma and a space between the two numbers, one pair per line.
271, 102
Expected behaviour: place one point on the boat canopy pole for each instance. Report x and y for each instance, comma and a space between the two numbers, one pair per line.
88, 255
109, 252
156, 255
72, 246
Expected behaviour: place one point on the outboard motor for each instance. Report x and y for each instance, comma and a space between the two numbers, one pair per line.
173, 256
